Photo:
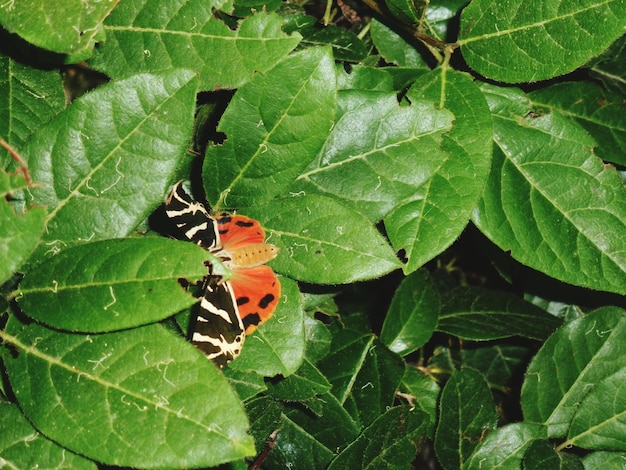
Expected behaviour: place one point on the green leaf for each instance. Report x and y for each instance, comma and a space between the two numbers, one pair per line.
277, 346
307, 453
480, 315
247, 384
604, 460
21, 446
186, 34
466, 412
390, 442
19, 232
574, 360
422, 392
377, 153
346, 45
364, 78
275, 126
405, 10
549, 200
516, 41
113, 284
326, 421
324, 242
599, 422
598, 111
304, 384
451, 178
29, 97
394, 48
504, 447
412, 315
541, 455
105, 163
138, 398
365, 375
63, 27
318, 339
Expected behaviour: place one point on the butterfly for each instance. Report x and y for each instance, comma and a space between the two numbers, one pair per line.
228, 309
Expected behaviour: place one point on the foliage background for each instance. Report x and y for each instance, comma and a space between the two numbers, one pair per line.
445, 182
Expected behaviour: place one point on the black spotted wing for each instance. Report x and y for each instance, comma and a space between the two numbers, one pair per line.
216, 327
191, 219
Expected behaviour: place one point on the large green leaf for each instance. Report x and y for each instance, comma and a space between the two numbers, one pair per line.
526, 41
186, 34
21, 446
274, 127
29, 97
598, 111
599, 423
324, 242
19, 232
434, 215
139, 398
583, 355
70, 26
378, 152
104, 164
549, 200
112, 284
478, 314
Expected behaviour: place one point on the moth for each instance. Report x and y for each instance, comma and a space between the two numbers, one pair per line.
228, 309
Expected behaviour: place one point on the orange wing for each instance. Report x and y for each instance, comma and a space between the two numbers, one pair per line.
257, 291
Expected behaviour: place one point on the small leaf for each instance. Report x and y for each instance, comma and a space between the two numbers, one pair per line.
308, 452
105, 163
304, 384
277, 346
516, 41
466, 413
394, 48
599, 421
549, 200
598, 111
21, 446
329, 425
422, 392
19, 233
105, 388
412, 315
365, 375
542, 455
274, 126
29, 97
390, 442
574, 360
346, 45
113, 284
67, 27
478, 314
246, 384
505, 447
321, 241
187, 35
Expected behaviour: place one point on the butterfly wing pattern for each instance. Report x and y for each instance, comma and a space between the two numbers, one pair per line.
228, 310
